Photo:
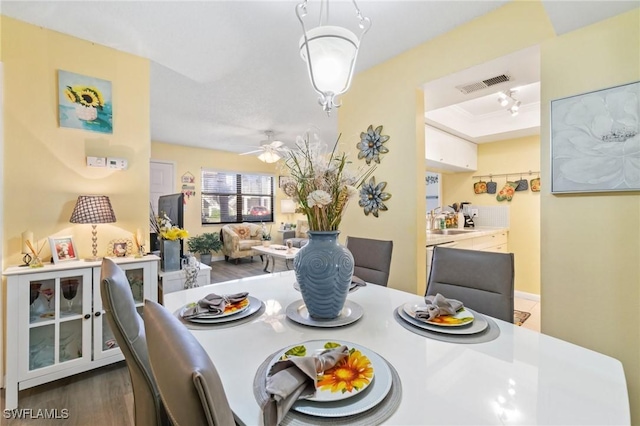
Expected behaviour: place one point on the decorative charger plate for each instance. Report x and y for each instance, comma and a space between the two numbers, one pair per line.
462, 317
297, 311
478, 325
251, 307
361, 401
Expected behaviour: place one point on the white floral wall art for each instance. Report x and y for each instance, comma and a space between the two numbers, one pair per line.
595, 141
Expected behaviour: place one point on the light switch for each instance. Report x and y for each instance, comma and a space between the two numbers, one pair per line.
96, 162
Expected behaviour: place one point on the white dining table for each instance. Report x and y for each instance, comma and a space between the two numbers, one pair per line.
520, 378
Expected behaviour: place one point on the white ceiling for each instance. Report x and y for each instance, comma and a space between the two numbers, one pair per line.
223, 72
478, 116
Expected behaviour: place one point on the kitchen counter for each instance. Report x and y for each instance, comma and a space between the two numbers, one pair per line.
434, 239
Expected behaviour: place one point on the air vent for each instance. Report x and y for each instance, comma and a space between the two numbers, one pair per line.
479, 85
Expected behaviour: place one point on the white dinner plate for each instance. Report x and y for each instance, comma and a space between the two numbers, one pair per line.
297, 311
461, 318
251, 308
364, 400
478, 325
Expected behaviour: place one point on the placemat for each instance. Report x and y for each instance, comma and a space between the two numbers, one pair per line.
490, 333
374, 416
219, 325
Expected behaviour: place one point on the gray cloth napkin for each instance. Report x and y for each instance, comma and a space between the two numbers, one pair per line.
213, 304
295, 378
438, 305
356, 282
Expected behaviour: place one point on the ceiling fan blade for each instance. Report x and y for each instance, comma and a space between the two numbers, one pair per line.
277, 144
252, 152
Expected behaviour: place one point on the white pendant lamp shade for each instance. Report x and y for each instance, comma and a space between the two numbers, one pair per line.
330, 53
333, 53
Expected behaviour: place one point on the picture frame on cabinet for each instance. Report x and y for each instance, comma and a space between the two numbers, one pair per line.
63, 249
594, 139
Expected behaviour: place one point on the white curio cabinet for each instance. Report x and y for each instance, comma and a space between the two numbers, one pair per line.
56, 325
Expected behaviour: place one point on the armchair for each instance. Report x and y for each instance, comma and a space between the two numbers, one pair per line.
238, 240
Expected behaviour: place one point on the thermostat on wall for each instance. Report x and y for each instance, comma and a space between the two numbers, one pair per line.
117, 163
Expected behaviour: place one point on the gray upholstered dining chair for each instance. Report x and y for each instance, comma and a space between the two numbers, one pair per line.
482, 280
188, 381
372, 259
128, 329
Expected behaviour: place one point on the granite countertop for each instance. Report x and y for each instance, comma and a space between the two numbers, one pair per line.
433, 239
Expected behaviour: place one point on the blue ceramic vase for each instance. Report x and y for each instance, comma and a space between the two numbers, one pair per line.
323, 269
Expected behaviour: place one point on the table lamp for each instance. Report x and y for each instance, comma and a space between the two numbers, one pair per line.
287, 207
93, 209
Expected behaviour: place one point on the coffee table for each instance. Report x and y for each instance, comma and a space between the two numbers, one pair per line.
275, 251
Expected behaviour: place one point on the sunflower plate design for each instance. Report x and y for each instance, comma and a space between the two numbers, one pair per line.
347, 378
370, 144
372, 197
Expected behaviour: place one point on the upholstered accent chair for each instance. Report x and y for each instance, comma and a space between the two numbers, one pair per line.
371, 258
238, 240
189, 383
129, 331
482, 280
298, 237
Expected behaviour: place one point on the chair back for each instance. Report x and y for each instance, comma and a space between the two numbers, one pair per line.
482, 280
372, 259
128, 330
188, 381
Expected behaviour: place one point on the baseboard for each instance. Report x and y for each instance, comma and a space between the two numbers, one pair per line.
528, 296
216, 258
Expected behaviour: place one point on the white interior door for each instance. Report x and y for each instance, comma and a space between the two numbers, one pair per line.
162, 181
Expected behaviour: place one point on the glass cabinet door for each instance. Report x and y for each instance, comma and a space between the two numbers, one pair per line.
57, 321
139, 277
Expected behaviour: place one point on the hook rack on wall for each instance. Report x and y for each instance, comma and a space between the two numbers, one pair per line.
529, 173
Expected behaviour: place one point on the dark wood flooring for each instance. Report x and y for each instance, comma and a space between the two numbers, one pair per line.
103, 397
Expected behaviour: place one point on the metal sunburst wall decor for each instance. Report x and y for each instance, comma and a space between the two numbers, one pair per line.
370, 144
372, 198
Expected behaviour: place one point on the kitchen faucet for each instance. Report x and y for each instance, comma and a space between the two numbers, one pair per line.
431, 219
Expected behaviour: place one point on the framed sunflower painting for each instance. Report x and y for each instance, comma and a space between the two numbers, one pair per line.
84, 102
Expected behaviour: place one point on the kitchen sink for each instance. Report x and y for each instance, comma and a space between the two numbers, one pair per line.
450, 231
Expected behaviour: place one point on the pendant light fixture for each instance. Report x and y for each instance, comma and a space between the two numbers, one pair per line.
330, 53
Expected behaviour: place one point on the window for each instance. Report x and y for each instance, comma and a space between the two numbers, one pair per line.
229, 197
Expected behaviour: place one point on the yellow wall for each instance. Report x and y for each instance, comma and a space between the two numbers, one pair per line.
591, 243
45, 165
389, 94
524, 232
192, 160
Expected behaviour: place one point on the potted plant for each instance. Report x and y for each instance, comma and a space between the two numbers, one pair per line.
204, 245
266, 236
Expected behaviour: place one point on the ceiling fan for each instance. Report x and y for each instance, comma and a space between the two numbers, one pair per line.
270, 150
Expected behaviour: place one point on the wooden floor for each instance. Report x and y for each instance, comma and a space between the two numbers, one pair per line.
103, 397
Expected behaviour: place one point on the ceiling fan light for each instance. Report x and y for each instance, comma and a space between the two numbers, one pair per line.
269, 157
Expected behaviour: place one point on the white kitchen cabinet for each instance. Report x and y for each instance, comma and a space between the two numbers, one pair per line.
444, 151
56, 326
497, 242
